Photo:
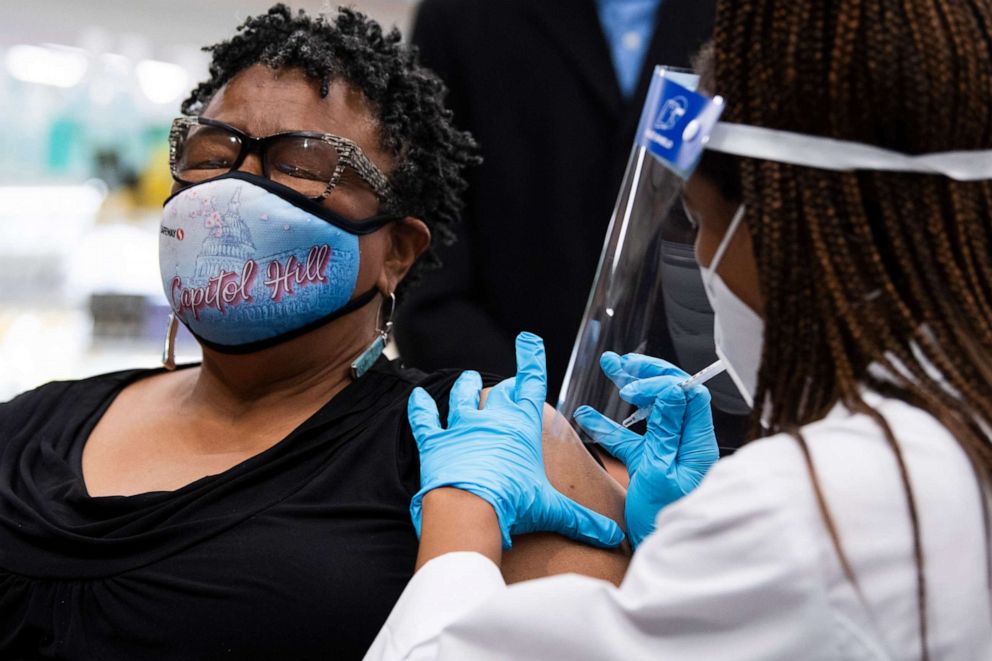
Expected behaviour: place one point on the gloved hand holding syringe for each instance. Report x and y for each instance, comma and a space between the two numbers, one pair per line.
679, 445
699, 378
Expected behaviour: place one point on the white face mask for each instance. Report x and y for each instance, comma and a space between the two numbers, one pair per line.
738, 330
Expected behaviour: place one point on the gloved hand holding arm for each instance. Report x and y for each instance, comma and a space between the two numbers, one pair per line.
495, 453
679, 447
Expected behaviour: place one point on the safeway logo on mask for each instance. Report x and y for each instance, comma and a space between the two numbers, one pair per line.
177, 234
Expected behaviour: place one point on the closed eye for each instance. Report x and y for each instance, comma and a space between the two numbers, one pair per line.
300, 173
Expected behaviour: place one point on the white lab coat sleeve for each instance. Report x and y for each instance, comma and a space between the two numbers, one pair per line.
442, 591
731, 573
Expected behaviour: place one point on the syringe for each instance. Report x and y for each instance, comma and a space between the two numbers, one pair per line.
700, 377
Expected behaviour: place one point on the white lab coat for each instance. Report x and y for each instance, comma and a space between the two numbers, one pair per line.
743, 568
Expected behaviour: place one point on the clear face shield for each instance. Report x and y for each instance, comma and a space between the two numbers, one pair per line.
650, 295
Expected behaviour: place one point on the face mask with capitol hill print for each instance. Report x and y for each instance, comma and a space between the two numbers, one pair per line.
247, 263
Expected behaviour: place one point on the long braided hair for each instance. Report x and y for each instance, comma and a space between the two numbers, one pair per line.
868, 279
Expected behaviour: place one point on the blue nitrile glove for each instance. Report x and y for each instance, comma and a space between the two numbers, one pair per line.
495, 453
671, 459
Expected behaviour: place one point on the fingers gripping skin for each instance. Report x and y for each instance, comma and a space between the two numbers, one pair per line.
424, 418
571, 469
464, 395
495, 452
622, 443
531, 383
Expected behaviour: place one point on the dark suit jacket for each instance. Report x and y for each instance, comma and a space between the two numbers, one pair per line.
534, 82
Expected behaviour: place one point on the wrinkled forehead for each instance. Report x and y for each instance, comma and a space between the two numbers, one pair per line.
262, 101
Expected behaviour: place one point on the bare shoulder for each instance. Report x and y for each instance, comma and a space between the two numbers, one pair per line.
573, 471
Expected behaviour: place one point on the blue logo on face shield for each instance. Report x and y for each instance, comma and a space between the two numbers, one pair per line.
676, 122
670, 113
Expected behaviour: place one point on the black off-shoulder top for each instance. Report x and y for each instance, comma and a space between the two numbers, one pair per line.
297, 553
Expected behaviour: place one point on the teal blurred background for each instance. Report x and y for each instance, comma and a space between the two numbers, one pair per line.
88, 89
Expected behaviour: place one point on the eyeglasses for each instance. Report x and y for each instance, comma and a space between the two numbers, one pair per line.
308, 162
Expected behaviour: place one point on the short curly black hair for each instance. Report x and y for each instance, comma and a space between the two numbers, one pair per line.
407, 99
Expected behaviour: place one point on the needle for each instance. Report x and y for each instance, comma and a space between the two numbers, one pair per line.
699, 378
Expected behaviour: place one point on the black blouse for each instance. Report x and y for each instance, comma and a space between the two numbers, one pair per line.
297, 553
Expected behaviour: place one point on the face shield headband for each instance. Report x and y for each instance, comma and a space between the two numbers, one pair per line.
648, 295
686, 122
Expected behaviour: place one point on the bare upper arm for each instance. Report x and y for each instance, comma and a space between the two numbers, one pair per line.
573, 471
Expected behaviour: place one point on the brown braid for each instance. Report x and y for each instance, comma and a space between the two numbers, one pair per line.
870, 268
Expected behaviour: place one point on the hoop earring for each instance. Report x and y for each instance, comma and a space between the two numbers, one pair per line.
367, 358
169, 348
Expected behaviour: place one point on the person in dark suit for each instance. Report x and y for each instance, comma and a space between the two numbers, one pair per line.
547, 89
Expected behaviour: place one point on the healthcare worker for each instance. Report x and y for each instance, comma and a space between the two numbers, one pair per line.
849, 263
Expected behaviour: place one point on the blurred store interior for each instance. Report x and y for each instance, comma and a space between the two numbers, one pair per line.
88, 89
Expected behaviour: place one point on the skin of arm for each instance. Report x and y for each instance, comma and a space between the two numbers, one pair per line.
455, 520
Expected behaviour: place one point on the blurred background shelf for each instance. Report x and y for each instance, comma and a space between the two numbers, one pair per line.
88, 89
